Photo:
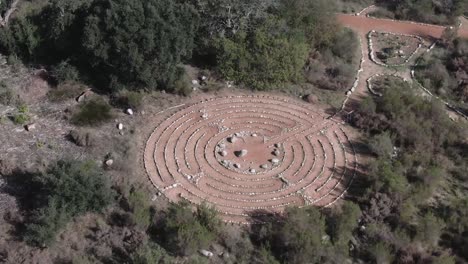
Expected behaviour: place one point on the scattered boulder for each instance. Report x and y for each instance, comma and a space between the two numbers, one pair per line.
232, 139
252, 171
223, 153
120, 126
241, 153
83, 95
275, 161
237, 166
276, 152
81, 138
30, 127
206, 253
311, 98
109, 162
129, 111
264, 166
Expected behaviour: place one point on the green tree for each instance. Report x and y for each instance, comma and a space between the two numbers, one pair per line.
184, 231
292, 244
381, 145
429, 229
344, 222
138, 42
262, 58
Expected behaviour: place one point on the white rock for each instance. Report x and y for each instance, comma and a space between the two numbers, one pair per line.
109, 162
194, 82
204, 78
120, 126
30, 127
237, 166
275, 161
241, 153
276, 152
223, 153
252, 171
232, 139
129, 111
264, 166
206, 253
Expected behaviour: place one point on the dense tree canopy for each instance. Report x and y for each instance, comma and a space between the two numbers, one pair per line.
138, 42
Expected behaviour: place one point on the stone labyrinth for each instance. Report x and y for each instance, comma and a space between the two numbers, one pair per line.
251, 156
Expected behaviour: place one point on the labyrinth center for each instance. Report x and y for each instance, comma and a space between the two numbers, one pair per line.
250, 155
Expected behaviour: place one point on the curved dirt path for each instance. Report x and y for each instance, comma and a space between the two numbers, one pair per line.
363, 25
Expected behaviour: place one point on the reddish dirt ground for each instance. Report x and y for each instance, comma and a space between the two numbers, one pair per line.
316, 161
364, 24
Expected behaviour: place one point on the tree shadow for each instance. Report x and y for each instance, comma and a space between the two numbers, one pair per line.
262, 216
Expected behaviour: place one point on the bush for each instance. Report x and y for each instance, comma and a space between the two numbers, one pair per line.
262, 59
182, 84
140, 207
150, 254
64, 72
82, 138
128, 99
185, 232
65, 190
135, 47
65, 91
291, 243
22, 117
7, 95
92, 113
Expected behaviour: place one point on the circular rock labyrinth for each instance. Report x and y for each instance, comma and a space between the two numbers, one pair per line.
250, 156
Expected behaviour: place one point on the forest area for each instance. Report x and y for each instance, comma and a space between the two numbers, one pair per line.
410, 207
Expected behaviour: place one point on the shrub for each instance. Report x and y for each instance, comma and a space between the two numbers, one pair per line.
82, 138
22, 117
182, 84
262, 59
65, 72
92, 113
184, 231
7, 95
150, 254
65, 190
65, 91
128, 99
289, 241
140, 207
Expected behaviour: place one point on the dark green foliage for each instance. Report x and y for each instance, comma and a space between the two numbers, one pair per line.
292, 244
21, 37
140, 207
64, 72
92, 113
138, 42
442, 72
64, 191
261, 59
429, 229
186, 231
344, 223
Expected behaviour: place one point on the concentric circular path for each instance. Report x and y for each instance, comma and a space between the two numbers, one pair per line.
250, 156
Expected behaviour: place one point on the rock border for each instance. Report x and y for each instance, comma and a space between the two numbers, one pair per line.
372, 51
